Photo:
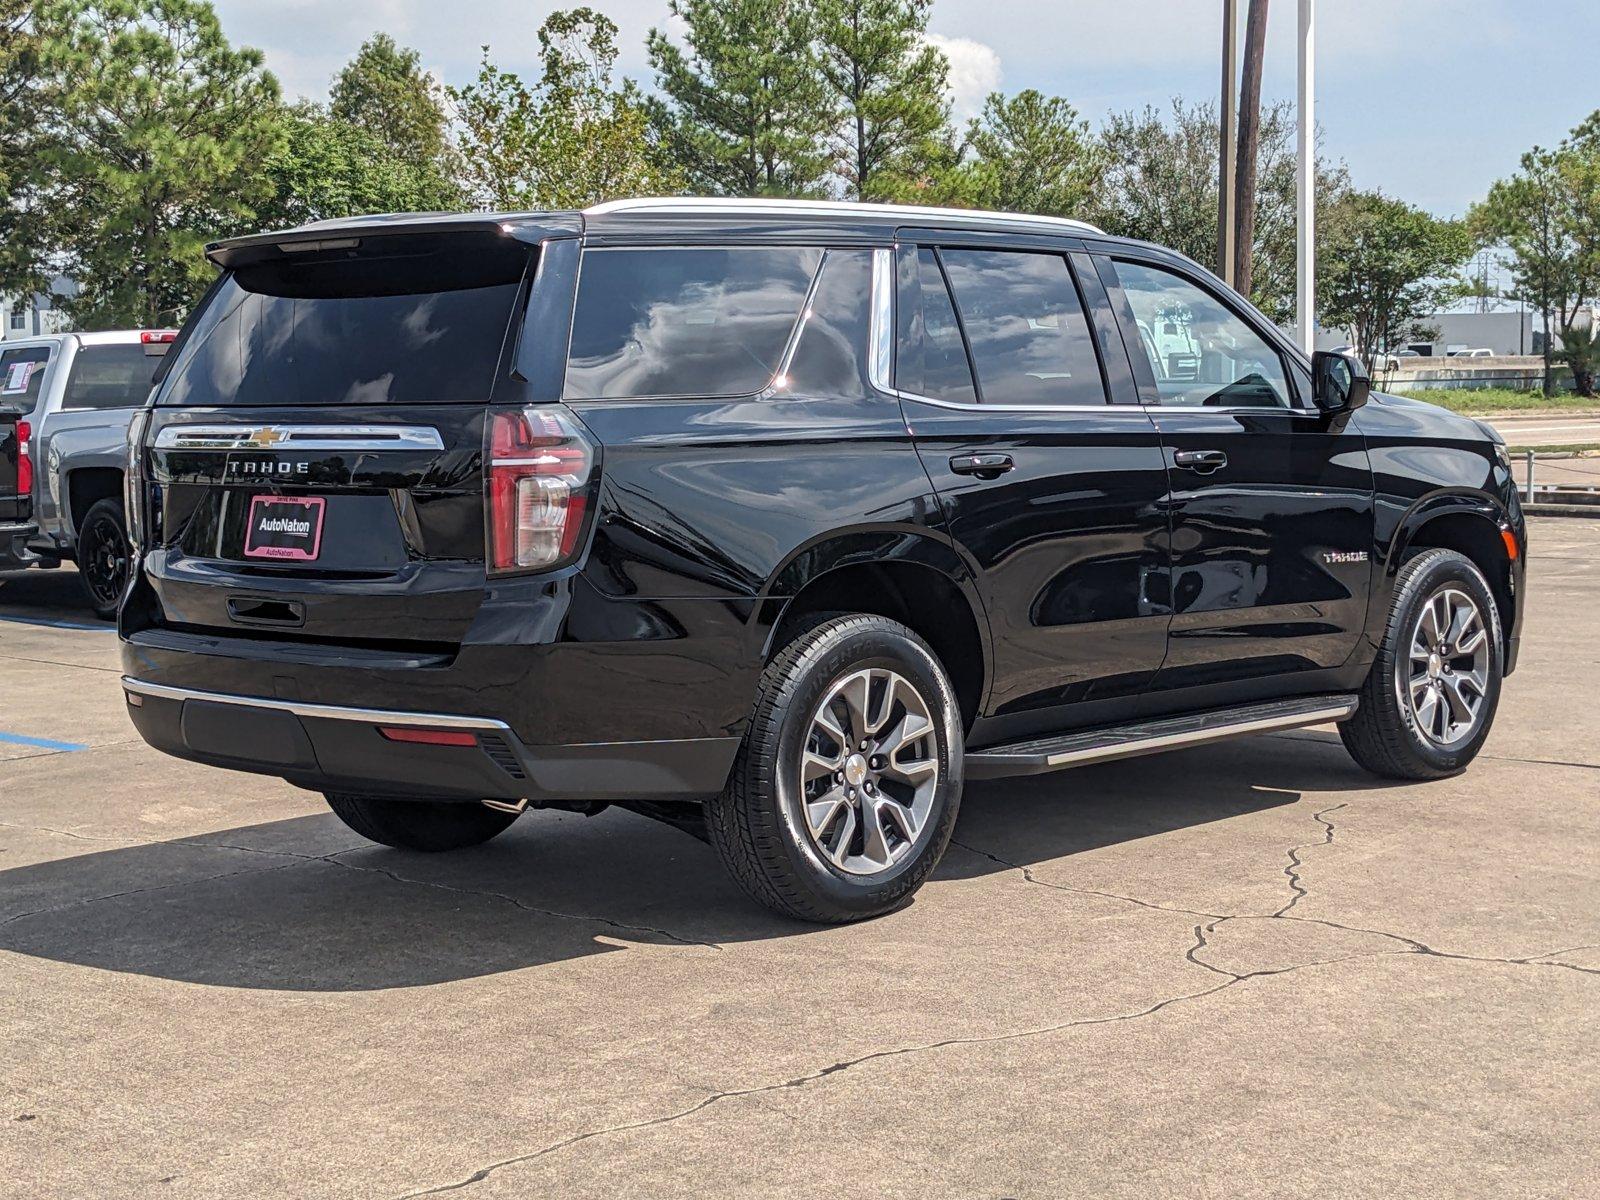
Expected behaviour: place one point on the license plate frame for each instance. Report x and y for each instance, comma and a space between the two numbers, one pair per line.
285, 542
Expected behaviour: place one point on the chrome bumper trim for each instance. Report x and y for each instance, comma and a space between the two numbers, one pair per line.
329, 712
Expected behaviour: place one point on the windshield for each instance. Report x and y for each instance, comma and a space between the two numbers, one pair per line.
422, 322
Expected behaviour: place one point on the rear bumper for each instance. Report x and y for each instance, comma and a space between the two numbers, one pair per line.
14, 539
327, 747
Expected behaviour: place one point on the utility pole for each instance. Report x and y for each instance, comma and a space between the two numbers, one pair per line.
1255, 42
1227, 203
1305, 241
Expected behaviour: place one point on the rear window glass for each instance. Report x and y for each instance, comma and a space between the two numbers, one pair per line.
421, 322
110, 377
684, 322
22, 375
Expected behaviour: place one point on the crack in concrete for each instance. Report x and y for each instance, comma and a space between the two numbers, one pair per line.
1027, 873
799, 1081
159, 887
1292, 871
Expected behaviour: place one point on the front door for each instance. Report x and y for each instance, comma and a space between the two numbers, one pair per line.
1053, 494
1271, 500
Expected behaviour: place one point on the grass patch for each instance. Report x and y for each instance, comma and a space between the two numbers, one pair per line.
1584, 448
1478, 401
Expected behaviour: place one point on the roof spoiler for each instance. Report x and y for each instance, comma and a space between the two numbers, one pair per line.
333, 235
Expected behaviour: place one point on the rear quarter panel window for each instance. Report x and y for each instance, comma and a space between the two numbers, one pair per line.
696, 321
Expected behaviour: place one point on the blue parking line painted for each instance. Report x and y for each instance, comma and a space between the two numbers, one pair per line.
52, 623
22, 739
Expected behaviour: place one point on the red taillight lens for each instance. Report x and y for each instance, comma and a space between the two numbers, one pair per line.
538, 485
428, 737
24, 458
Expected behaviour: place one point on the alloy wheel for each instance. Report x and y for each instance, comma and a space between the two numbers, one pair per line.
869, 771
1444, 680
103, 558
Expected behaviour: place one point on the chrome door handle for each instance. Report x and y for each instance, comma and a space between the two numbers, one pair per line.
1201, 461
984, 466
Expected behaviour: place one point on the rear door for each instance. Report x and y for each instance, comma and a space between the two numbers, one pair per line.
316, 445
1271, 499
1054, 493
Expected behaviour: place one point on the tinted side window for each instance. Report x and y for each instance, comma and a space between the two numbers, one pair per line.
1200, 352
684, 322
830, 357
930, 357
1026, 326
110, 377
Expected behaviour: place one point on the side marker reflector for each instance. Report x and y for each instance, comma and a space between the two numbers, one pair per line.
1510, 539
428, 737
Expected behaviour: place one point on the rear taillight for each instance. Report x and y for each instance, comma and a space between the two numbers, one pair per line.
133, 478
538, 487
24, 459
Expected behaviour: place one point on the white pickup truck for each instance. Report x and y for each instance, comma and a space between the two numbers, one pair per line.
65, 403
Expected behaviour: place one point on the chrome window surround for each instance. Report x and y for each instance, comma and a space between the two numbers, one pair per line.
881, 364
266, 438
331, 712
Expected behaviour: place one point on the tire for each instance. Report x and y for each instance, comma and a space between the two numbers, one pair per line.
428, 825
836, 870
1391, 735
104, 555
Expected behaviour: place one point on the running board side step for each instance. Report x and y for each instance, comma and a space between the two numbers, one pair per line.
1150, 737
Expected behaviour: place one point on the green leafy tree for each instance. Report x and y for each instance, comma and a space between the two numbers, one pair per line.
889, 88
324, 167
1384, 267
572, 140
1032, 153
24, 133
1160, 183
1541, 217
163, 130
1580, 350
384, 91
744, 108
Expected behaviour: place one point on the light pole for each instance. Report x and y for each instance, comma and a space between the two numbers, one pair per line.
1305, 307
1227, 206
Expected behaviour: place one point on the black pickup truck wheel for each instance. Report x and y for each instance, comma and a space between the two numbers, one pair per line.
846, 788
104, 555
428, 825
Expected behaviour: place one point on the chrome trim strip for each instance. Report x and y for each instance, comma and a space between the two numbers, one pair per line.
330, 712
880, 336
299, 437
1171, 741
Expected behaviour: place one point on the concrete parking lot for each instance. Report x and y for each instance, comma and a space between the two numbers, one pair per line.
1245, 970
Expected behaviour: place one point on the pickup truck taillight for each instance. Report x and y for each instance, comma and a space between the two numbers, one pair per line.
24, 459
539, 484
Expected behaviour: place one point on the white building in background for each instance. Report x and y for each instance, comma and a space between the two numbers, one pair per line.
30, 316
1506, 332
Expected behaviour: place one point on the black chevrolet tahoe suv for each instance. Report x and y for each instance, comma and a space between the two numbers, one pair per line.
779, 520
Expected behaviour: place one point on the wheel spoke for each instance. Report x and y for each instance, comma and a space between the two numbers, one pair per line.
830, 726
874, 845
854, 691
902, 816
821, 812
814, 765
840, 850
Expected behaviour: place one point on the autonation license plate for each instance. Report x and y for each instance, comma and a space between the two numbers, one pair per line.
285, 527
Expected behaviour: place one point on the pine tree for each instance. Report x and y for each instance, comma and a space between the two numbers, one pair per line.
385, 91
1033, 154
745, 110
889, 87
163, 130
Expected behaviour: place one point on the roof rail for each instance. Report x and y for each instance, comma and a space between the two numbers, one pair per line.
799, 207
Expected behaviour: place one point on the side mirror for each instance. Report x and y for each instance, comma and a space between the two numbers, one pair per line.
1340, 382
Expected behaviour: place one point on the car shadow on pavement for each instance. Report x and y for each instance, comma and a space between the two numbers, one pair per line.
303, 905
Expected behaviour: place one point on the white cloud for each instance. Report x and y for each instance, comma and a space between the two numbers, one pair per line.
974, 72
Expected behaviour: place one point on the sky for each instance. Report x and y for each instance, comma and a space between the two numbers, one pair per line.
1428, 100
